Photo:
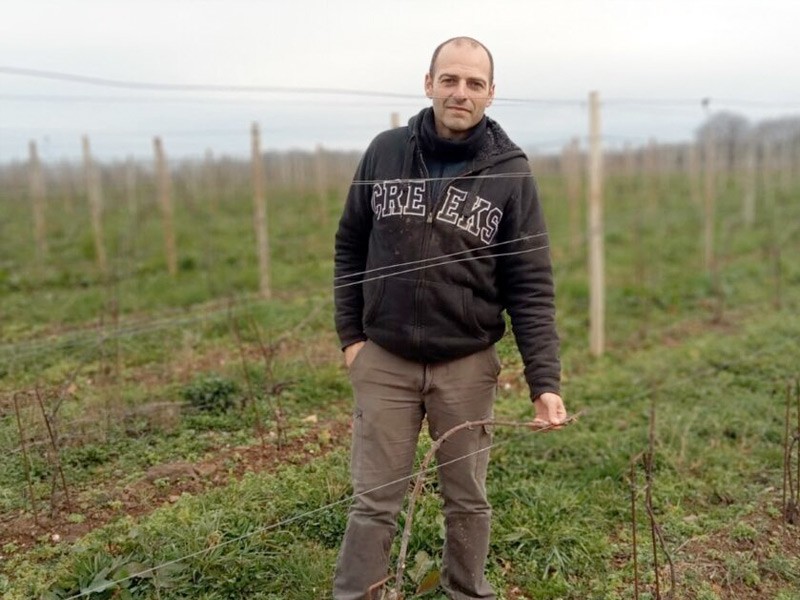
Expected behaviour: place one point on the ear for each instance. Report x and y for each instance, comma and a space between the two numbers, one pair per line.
428, 85
491, 95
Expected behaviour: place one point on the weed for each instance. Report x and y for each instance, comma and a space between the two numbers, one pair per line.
211, 393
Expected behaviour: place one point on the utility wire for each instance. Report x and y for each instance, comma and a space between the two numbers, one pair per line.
127, 84
238, 88
301, 516
25, 349
437, 258
31, 347
448, 262
642, 393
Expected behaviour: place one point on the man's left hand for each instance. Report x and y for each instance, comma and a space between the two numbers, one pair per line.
550, 411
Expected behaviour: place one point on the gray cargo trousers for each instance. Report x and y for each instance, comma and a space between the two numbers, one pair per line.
392, 396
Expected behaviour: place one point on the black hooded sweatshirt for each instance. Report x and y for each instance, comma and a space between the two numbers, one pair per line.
427, 275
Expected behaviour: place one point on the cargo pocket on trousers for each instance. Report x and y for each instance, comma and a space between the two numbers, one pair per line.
357, 443
484, 443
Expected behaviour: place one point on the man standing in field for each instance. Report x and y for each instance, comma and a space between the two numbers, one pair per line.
441, 232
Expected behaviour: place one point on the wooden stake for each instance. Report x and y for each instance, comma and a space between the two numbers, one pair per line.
710, 201
595, 214
38, 195
795, 158
322, 183
68, 187
640, 261
164, 184
210, 181
130, 187
694, 174
260, 214
652, 177
395, 120
95, 193
785, 165
768, 176
749, 192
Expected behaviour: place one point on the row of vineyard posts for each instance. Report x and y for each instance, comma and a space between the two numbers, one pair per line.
701, 162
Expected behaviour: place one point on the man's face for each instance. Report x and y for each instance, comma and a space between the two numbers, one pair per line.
459, 88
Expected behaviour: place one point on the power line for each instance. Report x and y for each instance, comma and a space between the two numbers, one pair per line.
25, 349
239, 88
75, 99
439, 264
203, 87
311, 90
438, 258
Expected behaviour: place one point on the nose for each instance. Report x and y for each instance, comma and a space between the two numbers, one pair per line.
461, 90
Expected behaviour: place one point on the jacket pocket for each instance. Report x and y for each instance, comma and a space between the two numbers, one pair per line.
450, 314
390, 316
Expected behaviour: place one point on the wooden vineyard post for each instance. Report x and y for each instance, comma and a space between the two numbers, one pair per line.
749, 192
210, 181
638, 229
322, 183
769, 176
95, 194
785, 165
595, 231
795, 158
284, 169
164, 186
260, 215
652, 177
694, 174
710, 200
130, 187
38, 195
68, 187
394, 120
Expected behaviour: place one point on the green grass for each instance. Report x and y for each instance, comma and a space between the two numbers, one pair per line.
713, 354
561, 526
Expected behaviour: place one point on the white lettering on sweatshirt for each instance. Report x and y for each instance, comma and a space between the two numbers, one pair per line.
480, 219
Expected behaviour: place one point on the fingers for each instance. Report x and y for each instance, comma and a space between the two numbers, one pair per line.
550, 412
541, 425
538, 423
350, 353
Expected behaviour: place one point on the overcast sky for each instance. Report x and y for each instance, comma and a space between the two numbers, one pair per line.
651, 60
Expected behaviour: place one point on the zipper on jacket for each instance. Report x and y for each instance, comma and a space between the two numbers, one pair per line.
434, 207
427, 237
416, 336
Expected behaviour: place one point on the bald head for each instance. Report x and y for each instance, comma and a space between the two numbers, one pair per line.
462, 41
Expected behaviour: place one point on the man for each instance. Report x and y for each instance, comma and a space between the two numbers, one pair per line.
441, 232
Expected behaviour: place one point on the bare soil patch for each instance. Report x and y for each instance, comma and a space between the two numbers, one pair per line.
100, 503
